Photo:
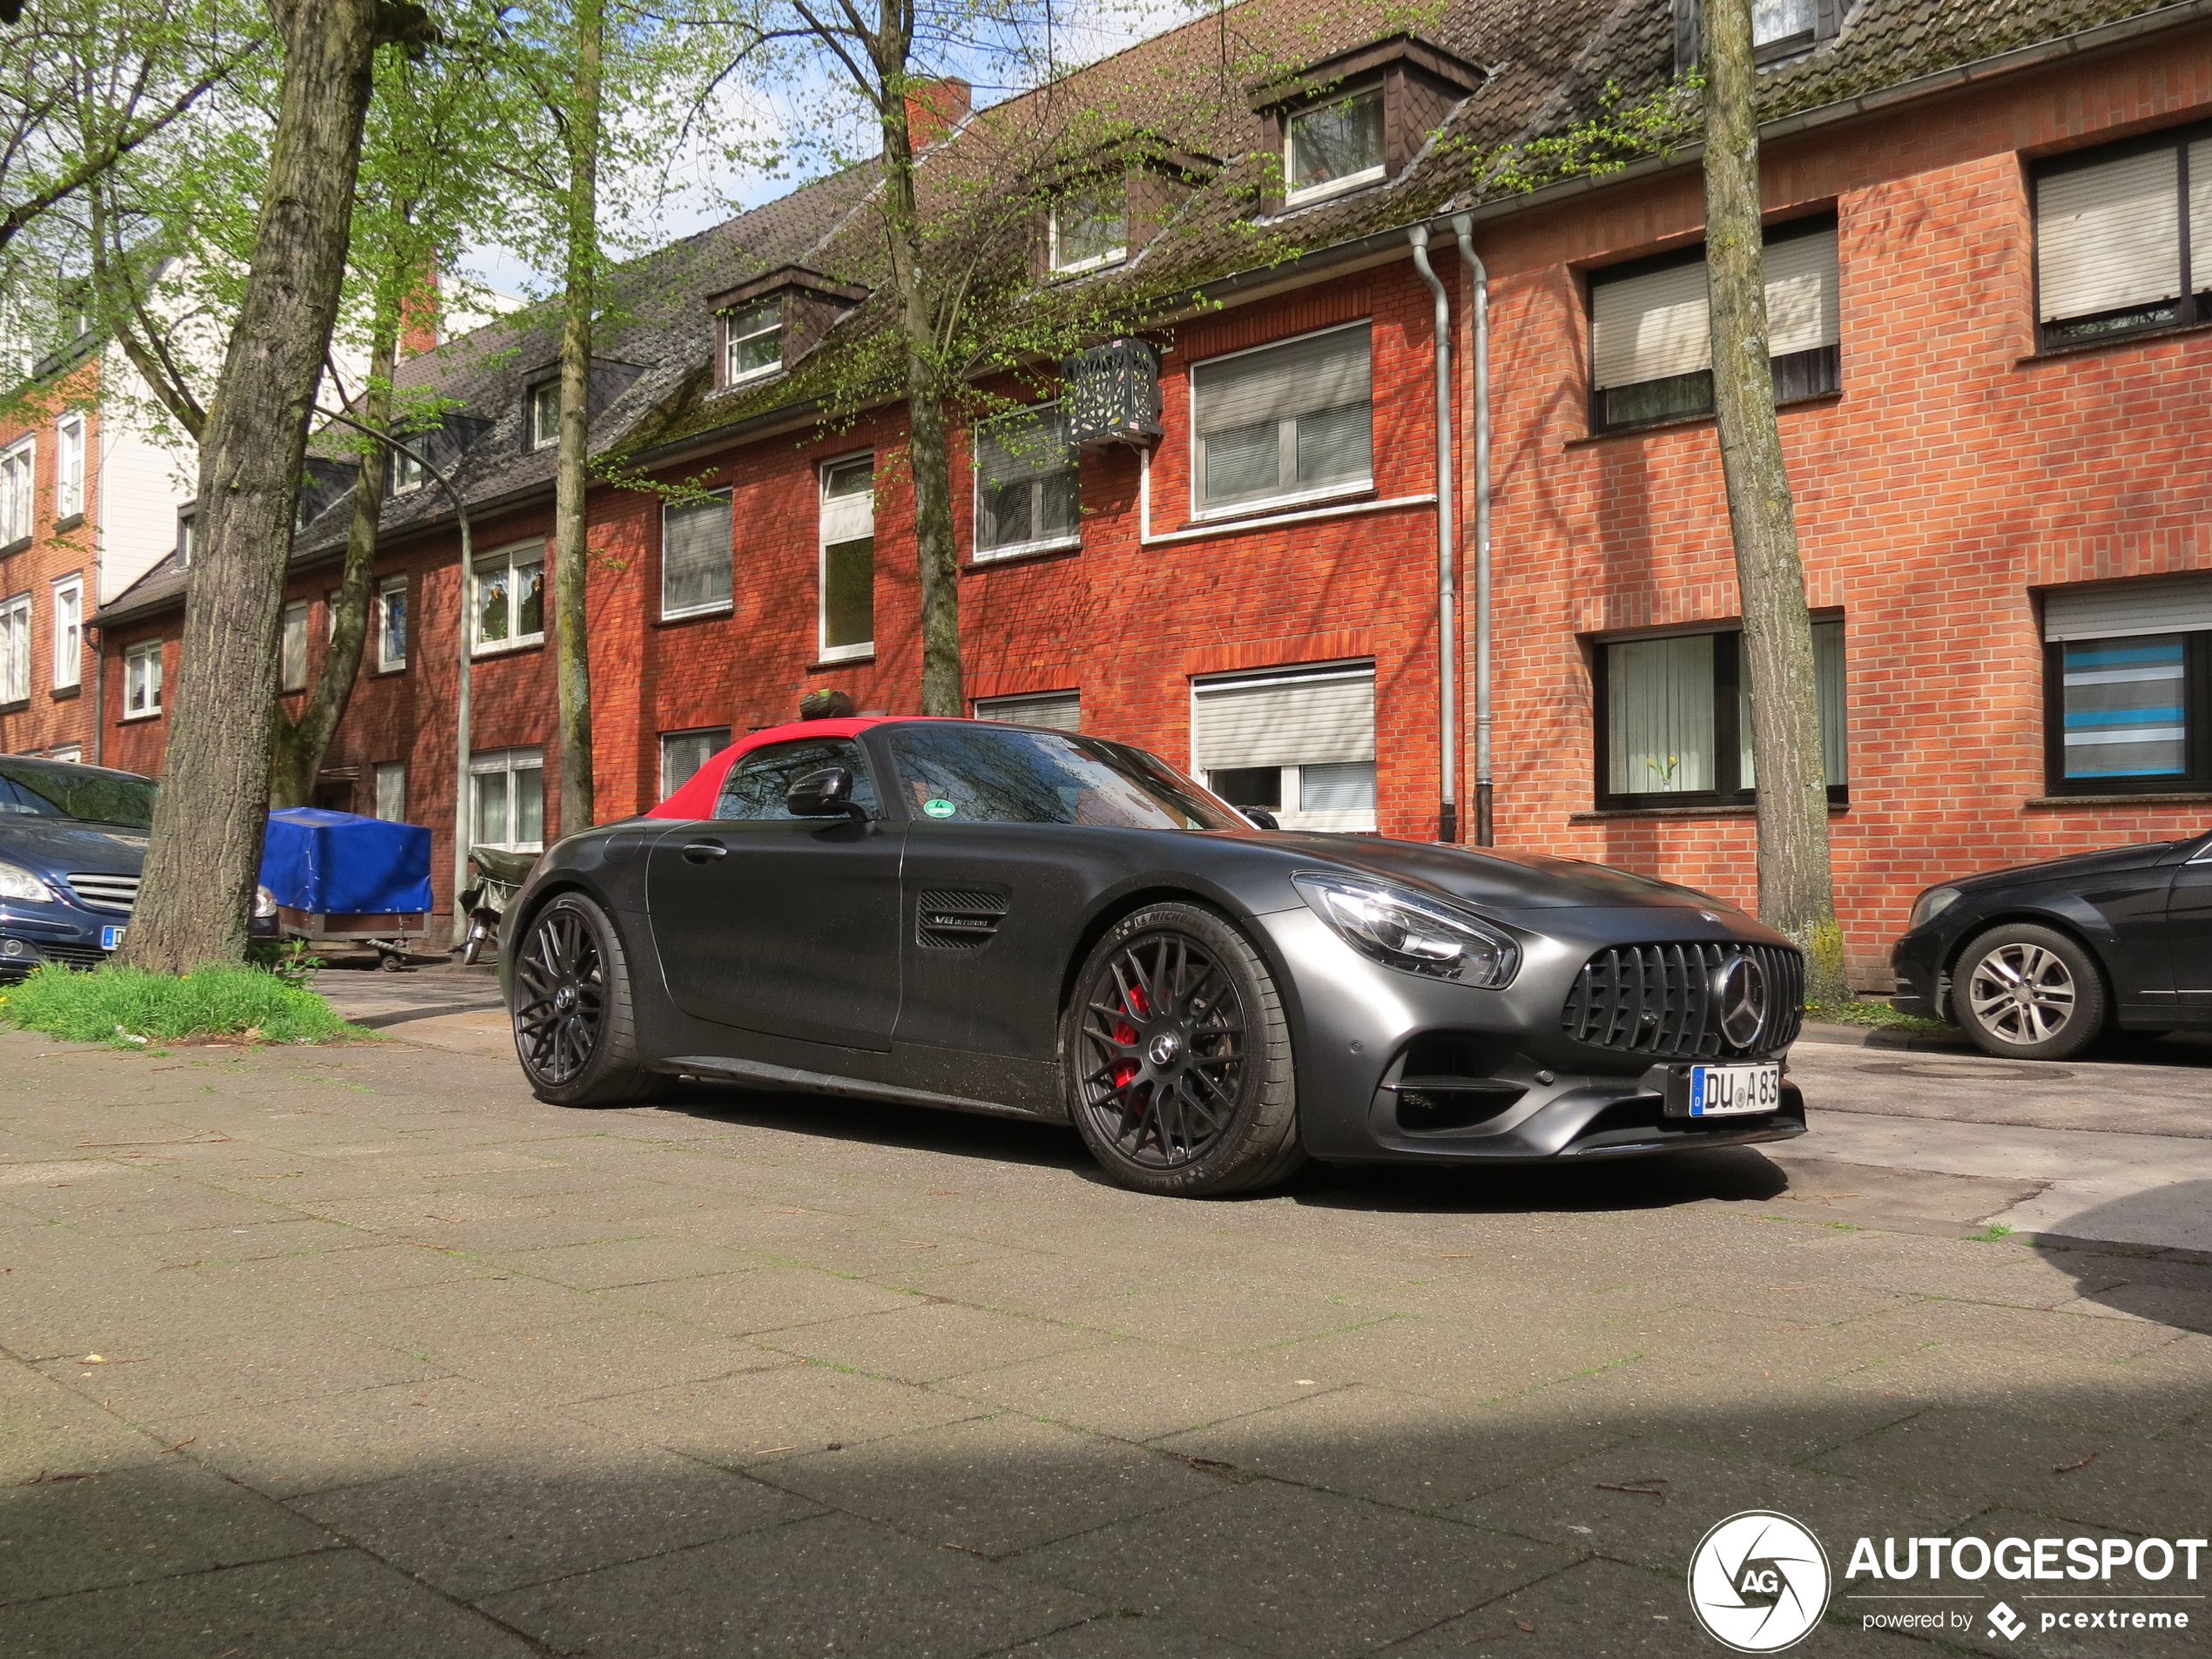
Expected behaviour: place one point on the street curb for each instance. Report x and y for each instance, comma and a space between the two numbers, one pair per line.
1875, 1036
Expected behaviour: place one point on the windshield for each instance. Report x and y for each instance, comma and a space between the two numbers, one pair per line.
996, 774
30, 790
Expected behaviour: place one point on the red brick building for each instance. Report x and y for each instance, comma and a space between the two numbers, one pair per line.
1988, 242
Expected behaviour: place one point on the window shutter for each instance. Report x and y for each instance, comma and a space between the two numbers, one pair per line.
1273, 721
695, 556
2108, 236
2178, 605
1689, 22
1650, 328
1061, 710
1320, 372
1801, 294
2200, 216
1025, 445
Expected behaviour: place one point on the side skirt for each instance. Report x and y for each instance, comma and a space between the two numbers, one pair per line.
760, 1074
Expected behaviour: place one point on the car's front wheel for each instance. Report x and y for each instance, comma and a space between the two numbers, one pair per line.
2028, 993
1178, 1057
575, 1031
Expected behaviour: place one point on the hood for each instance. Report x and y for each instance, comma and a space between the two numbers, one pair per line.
58, 845
1495, 880
2076, 863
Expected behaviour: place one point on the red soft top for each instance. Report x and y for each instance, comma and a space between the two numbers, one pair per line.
697, 798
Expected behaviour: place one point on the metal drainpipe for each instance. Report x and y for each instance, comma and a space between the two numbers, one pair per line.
100, 690
1463, 226
1448, 811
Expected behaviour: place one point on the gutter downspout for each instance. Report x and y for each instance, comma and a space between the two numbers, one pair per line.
1447, 810
1462, 227
99, 693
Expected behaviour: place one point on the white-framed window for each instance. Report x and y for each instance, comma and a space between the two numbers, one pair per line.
1288, 423
545, 415
407, 472
292, 660
1299, 742
1061, 710
1332, 145
391, 791
187, 536
391, 623
695, 557
1782, 25
848, 558
69, 632
18, 467
69, 466
1651, 343
752, 343
507, 606
71, 754
1026, 494
1091, 227
682, 754
15, 648
142, 680
506, 799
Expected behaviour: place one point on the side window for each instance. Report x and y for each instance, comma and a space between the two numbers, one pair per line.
757, 783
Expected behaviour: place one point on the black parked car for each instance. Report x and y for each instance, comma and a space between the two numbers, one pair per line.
2037, 960
71, 841
1025, 922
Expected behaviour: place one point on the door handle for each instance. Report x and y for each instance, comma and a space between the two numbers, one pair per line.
700, 851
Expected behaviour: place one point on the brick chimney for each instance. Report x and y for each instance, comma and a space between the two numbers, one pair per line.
934, 108
419, 317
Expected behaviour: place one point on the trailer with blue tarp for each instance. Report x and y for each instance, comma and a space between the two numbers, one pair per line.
341, 880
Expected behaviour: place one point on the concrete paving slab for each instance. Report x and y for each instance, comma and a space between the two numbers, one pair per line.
590, 1356
757, 1417
799, 1595
46, 1430
762, 1299
1137, 1390
340, 1604
1124, 1636
995, 1485
920, 1344
628, 1261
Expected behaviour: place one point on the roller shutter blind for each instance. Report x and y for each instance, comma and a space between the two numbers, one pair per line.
2108, 236
695, 556
1657, 325
2181, 605
1063, 709
1283, 720
1324, 371
1023, 445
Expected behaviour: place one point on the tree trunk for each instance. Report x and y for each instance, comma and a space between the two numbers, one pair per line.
205, 851
1796, 890
300, 745
928, 453
571, 552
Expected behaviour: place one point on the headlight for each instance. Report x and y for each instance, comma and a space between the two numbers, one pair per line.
1411, 935
15, 882
263, 903
1930, 905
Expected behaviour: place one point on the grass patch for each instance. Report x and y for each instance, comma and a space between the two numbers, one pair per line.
128, 1007
1872, 1012
1991, 1234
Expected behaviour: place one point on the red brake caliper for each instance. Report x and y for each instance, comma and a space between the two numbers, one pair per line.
1135, 1002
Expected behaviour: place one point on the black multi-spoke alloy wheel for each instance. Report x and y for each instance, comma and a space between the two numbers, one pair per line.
1178, 1058
573, 1027
2028, 993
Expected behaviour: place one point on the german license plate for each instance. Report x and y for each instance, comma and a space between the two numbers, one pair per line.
110, 937
1734, 1091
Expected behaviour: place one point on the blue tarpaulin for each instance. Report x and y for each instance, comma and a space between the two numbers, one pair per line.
335, 864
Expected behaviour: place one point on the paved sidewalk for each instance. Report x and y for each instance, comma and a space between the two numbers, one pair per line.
364, 1352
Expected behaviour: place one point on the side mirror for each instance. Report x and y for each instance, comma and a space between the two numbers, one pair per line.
1261, 819
827, 793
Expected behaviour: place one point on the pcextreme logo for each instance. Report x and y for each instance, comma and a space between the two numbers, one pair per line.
1758, 1581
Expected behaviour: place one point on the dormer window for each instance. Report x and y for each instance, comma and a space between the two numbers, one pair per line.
1782, 27
1359, 118
752, 343
1335, 146
1091, 227
407, 472
545, 415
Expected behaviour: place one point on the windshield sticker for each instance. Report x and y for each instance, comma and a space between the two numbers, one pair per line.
939, 808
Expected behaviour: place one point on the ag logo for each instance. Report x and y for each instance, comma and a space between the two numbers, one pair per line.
1758, 1581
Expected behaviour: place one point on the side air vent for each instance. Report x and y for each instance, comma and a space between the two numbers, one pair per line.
958, 920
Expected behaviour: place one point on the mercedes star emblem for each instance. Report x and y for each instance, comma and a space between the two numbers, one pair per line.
1740, 993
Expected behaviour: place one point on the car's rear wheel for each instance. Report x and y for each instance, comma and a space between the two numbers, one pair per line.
1178, 1057
2028, 993
574, 1029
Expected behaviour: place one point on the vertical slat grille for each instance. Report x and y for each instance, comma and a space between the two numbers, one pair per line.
1657, 1000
